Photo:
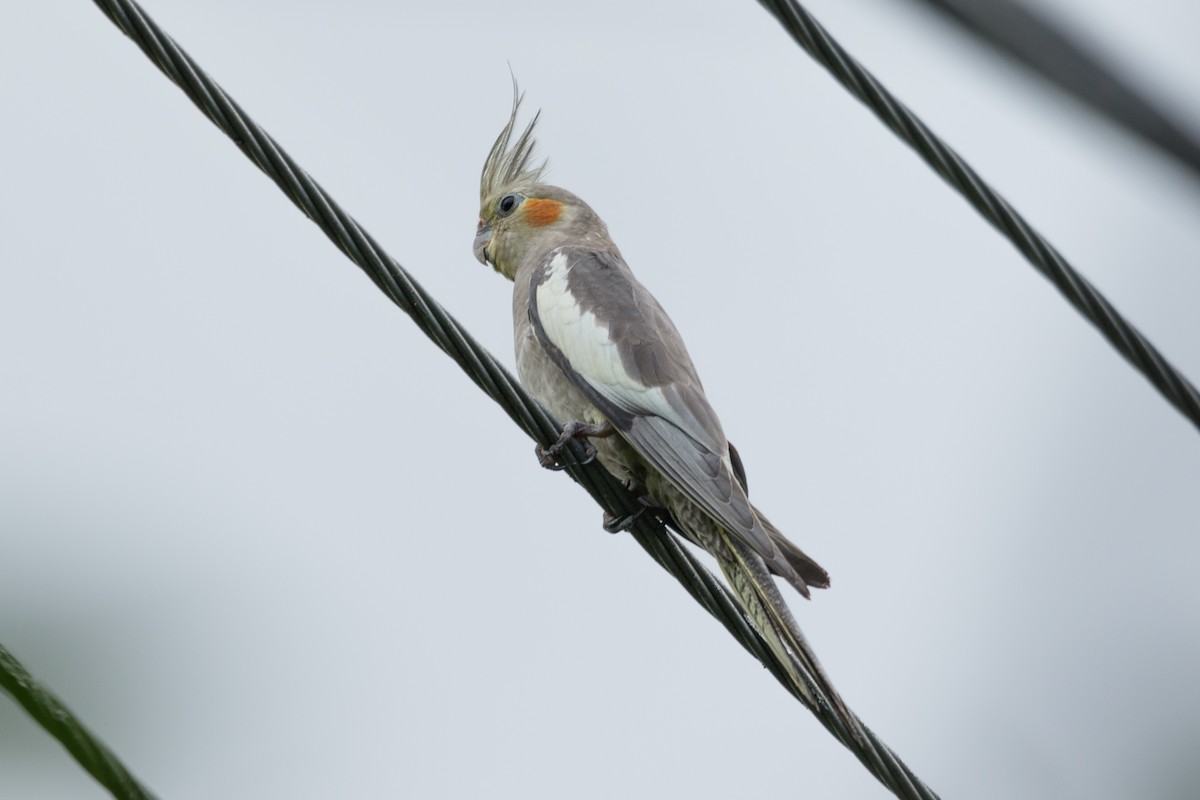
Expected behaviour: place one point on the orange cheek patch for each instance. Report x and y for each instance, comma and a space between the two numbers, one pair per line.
539, 212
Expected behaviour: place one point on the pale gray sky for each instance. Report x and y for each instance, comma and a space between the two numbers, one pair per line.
269, 542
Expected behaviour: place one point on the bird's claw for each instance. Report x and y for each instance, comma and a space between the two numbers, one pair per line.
615, 524
551, 457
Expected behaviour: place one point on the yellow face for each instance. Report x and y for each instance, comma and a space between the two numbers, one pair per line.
506, 221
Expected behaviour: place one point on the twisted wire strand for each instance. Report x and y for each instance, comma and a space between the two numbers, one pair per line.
1056, 53
1144, 357
58, 720
488, 374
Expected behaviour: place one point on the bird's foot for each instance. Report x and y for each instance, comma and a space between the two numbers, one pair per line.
615, 524
550, 457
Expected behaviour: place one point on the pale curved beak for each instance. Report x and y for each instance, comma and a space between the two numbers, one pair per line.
483, 237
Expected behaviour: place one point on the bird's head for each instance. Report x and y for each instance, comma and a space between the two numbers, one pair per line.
520, 216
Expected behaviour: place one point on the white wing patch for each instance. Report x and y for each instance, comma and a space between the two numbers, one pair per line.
670, 437
585, 342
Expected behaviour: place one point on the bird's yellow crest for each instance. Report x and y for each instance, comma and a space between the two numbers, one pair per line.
511, 163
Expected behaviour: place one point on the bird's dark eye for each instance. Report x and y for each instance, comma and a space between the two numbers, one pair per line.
507, 203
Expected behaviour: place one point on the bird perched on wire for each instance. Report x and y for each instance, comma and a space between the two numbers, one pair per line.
596, 348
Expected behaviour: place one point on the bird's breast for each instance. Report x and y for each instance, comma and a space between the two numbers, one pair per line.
543, 379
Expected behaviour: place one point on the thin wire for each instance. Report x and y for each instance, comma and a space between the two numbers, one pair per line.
809, 34
487, 373
58, 720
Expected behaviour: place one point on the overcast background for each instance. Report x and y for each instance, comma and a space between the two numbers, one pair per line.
267, 541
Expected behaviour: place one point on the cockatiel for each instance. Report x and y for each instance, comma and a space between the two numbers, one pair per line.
596, 348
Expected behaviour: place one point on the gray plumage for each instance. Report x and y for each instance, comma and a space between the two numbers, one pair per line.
596, 347
673, 427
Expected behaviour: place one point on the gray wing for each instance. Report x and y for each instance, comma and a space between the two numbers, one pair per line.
614, 341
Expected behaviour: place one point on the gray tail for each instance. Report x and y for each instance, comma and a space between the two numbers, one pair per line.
809, 571
748, 576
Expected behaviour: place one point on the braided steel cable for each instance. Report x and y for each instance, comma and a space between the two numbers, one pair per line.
1054, 52
817, 42
490, 376
58, 720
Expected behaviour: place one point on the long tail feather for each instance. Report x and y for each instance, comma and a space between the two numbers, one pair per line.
752, 583
809, 571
